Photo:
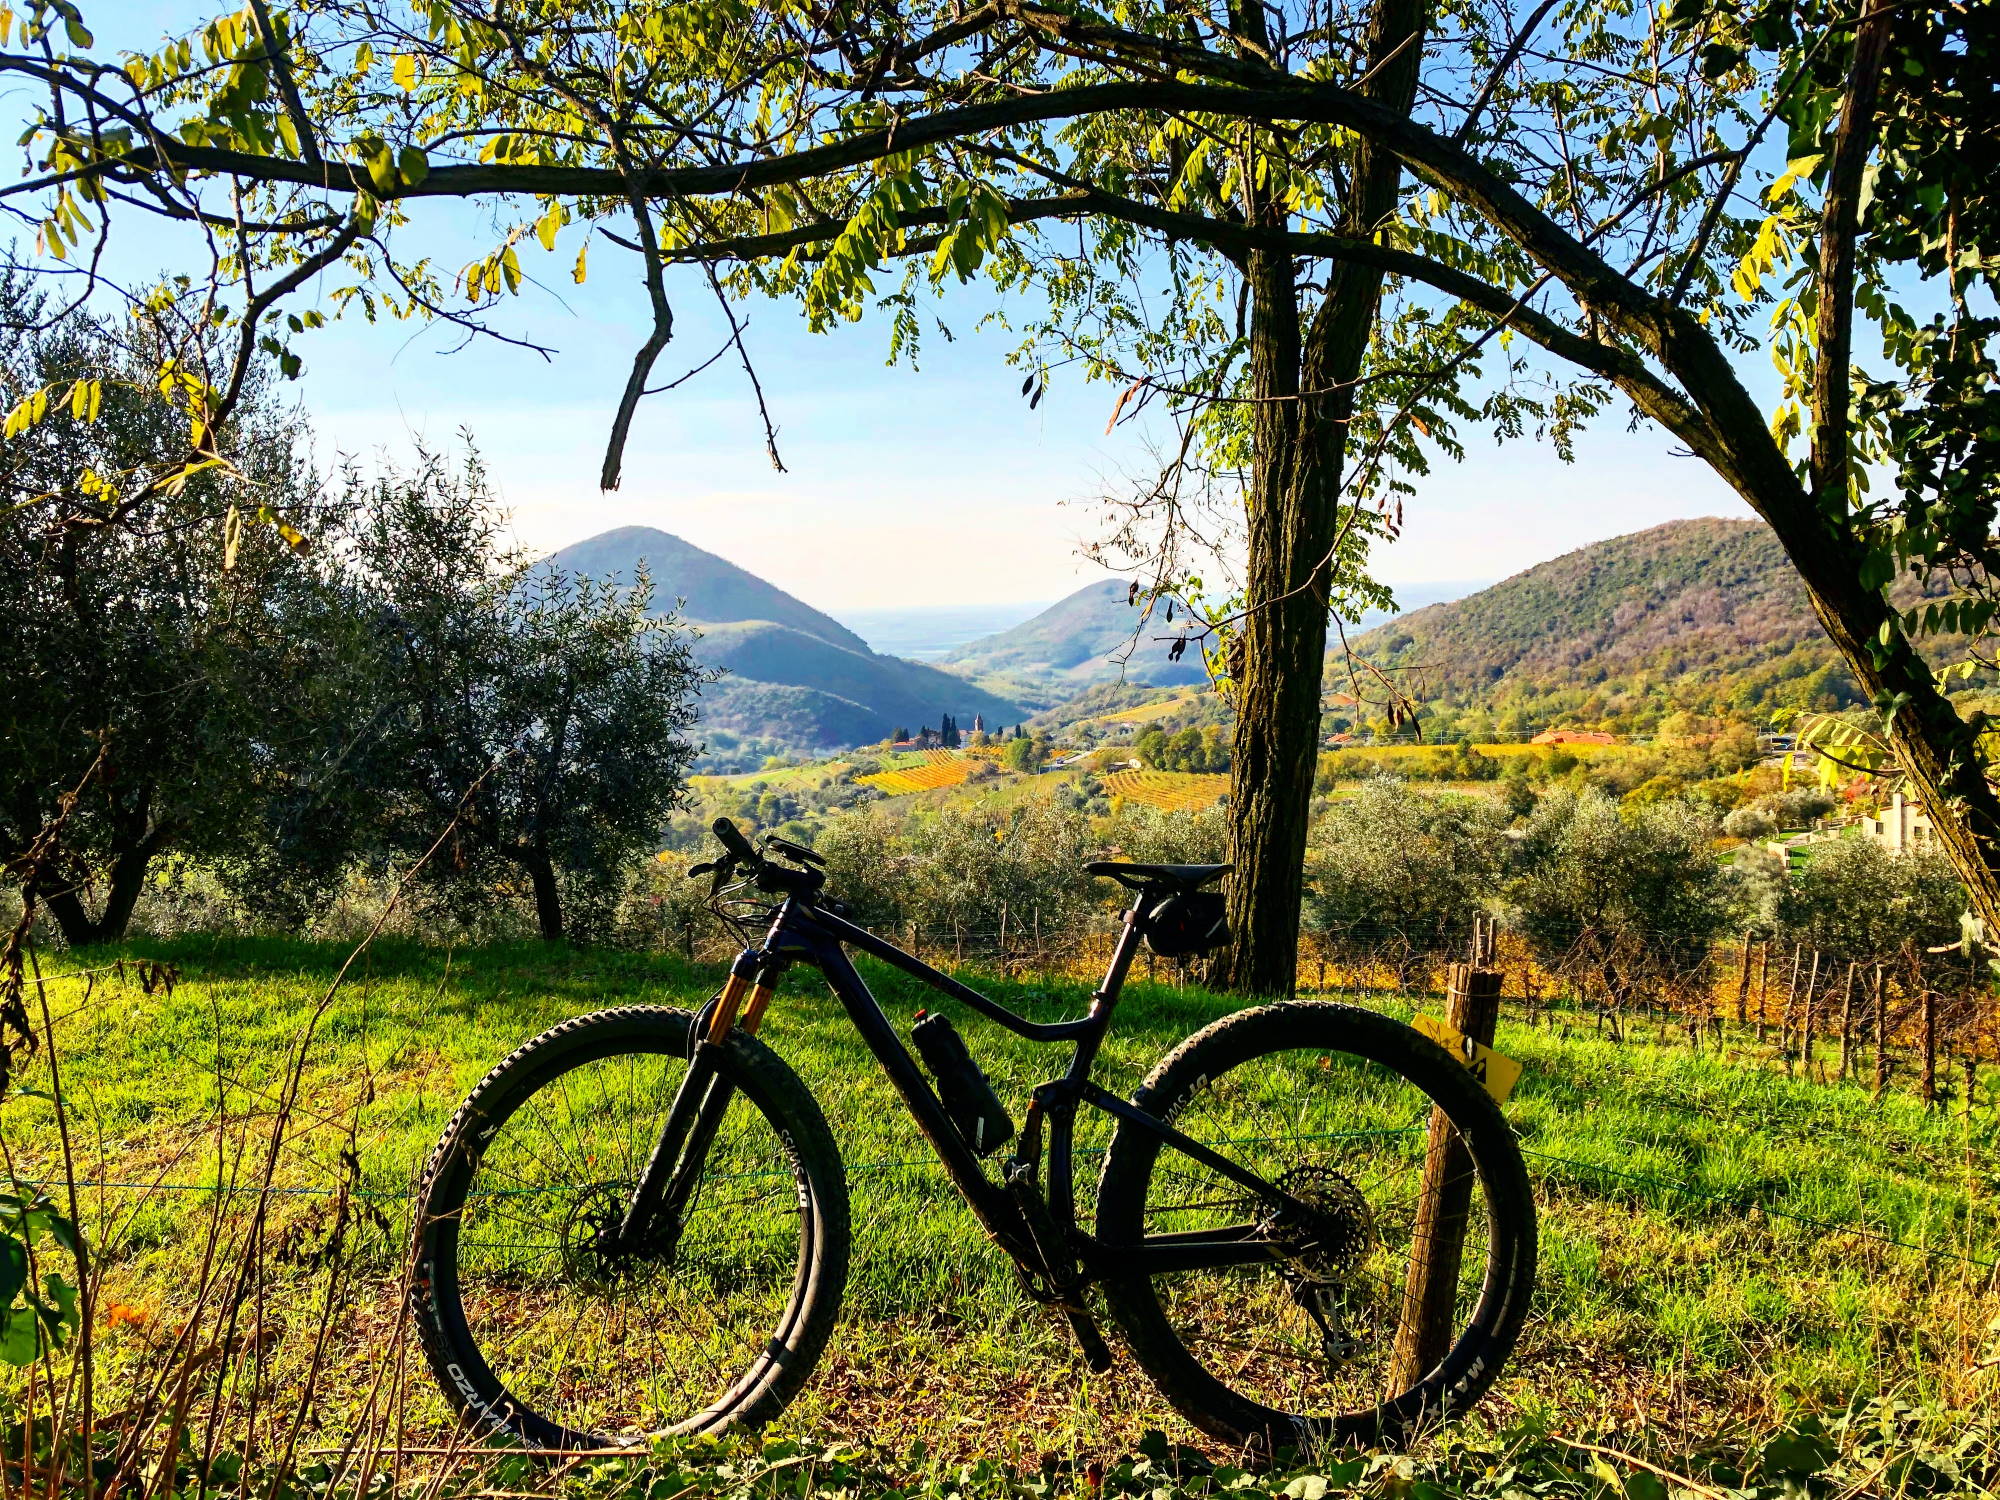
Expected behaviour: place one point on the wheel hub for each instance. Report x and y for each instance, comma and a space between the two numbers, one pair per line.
593, 1250
1328, 1232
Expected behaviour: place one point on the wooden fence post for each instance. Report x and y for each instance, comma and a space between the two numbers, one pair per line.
1444, 1203
1930, 1047
1764, 1009
1763, 981
1807, 1022
1791, 1000
1847, 1021
1743, 979
1881, 1033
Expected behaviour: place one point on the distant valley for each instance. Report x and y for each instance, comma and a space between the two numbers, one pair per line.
1704, 615
930, 631
796, 681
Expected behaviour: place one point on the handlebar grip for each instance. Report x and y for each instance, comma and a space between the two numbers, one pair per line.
731, 838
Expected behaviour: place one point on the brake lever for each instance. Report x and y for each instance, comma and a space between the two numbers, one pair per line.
794, 851
722, 870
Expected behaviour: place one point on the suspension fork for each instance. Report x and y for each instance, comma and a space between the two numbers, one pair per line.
653, 1216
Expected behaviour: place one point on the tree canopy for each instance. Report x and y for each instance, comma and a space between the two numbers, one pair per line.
1564, 206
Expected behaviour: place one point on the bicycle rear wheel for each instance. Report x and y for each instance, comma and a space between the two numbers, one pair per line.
535, 1330
1333, 1105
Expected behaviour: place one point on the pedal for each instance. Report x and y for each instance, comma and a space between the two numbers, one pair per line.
1063, 1288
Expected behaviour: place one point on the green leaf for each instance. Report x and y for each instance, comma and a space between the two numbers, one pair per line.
412, 165
59, 1308
13, 1269
549, 224
1796, 1453
20, 1335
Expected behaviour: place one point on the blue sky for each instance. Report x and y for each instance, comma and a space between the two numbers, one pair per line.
905, 487
930, 486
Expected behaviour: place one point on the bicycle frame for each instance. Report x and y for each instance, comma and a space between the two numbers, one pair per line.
802, 932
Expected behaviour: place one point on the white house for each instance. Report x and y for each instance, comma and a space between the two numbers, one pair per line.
1902, 827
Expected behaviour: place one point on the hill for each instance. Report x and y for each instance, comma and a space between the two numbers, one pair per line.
716, 590
1705, 616
1088, 638
796, 680
1083, 639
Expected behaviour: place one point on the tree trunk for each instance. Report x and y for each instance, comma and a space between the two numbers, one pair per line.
1304, 390
128, 882
1282, 646
1934, 745
548, 898
73, 918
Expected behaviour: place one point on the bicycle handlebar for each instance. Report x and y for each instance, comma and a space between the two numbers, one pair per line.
731, 838
739, 851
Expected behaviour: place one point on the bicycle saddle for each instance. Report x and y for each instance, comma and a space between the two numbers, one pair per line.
1175, 877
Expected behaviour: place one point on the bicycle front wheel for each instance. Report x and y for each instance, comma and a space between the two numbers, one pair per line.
1304, 1343
537, 1331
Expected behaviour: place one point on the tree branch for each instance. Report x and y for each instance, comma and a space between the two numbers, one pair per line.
288, 87
1840, 219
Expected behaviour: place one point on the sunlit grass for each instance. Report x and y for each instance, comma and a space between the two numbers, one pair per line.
1719, 1241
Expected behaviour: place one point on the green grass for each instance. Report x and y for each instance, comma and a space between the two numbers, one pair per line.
1681, 1280
786, 778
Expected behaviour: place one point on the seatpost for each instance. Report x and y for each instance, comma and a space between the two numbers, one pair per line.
1122, 953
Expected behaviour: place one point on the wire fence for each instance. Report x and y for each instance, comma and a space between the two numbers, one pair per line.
1910, 1021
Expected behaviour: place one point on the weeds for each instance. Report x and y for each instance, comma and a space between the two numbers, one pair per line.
241, 1143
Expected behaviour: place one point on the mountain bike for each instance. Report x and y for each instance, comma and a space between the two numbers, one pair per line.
637, 1224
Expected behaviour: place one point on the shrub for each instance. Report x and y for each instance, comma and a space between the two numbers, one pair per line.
958, 868
1397, 873
1632, 899
1750, 823
1801, 807
1853, 899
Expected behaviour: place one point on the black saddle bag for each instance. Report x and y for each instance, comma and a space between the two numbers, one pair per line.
1187, 923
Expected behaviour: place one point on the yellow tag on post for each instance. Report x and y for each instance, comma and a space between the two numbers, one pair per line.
1498, 1074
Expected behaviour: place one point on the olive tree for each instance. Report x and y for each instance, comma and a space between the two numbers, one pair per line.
1630, 899
170, 676
1853, 900
1398, 872
534, 719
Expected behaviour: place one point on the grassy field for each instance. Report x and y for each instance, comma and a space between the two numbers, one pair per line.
1721, 1246
788, 778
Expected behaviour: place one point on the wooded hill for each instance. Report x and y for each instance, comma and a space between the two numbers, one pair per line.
1705, 616
795, 679
1091, 635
